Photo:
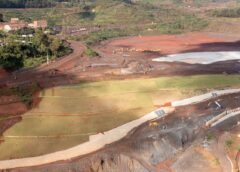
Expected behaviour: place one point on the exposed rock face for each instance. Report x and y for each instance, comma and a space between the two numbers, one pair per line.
141, 151
117, 163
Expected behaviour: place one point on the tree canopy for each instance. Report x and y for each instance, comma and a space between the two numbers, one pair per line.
17, 52
32, 3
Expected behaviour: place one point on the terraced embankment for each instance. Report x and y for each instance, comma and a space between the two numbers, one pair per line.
99, 141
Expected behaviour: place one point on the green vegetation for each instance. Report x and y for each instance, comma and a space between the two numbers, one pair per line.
26, 14
182, 24
69, 114
216, 161
195, 3
99, 36
210, 136
69, 3
90, 52
116, 18
29, 3
26, 93
1, 18
176, 25
17, 51
229, 143
101, 12
226, 12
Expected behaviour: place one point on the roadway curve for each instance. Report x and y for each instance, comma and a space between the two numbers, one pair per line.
65, 62
42, 73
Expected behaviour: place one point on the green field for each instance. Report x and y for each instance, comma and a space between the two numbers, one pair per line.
69, 114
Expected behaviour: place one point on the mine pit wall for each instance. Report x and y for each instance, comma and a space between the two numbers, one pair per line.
137, 154
100, 140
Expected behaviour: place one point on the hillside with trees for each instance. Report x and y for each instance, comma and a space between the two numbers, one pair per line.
17, 52
32, 3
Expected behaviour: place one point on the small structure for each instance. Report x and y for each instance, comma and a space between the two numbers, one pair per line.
16, 24
160, 112
14, 20
219, 106
38, 24
214, 95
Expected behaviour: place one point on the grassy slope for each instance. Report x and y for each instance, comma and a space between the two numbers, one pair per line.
106, 12
170, 16
184, 2
122, 19
95, 107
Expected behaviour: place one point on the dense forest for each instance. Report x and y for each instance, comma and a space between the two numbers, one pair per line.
33, 3
18, 52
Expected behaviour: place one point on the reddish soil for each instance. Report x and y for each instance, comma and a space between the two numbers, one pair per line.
137, 53
77, 67
167, 44
233, 150
3, 73
13, 108
164, 166
8, 123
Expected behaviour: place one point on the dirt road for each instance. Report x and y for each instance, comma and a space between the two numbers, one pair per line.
220, 151
121, 55
125, 64
44, 72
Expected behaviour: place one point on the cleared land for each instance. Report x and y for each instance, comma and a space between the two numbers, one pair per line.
200, 57
165, 44
66, 116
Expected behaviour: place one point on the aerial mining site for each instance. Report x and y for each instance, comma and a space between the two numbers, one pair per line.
124, 85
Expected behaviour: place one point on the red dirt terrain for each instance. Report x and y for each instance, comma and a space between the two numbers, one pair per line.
132, 60
169, 44
133, 55
120, 59
3, 73
76, 66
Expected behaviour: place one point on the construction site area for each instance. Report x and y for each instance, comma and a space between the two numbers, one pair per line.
199, 136
167, 103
